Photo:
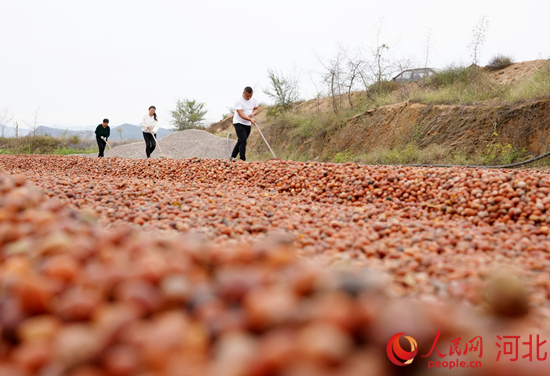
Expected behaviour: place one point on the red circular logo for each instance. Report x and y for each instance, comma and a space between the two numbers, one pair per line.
397, 355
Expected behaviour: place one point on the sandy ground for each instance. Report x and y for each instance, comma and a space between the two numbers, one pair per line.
516, 71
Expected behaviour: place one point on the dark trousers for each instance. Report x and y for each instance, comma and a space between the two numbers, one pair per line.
150, 143
101, 144
243, 131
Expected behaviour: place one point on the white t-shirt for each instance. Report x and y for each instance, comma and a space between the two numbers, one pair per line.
247, 106
149, 121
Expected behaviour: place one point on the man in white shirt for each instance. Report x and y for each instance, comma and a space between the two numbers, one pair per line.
245, 110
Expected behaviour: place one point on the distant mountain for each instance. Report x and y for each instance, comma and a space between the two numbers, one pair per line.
10, 132
128, 132
56, 132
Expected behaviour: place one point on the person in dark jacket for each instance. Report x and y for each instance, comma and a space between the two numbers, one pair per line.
102, 133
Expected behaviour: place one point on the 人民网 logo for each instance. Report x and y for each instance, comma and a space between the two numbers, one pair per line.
397, 355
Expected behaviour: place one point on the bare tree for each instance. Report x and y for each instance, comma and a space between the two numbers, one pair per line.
381, 64
354, 69
5, 118
355, 66
366, 77
346, 70
343, 73
379, 67
120, 130
333, 77
318, 95
478, 38
428, 47
34, 124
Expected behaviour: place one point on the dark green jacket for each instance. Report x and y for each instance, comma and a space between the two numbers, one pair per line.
105, 132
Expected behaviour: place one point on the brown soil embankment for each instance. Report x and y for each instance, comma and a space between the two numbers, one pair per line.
465, 128
462, 128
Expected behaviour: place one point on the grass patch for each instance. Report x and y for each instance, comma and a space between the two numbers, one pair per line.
536, 87
68, 151
464, 85
292, 134
467, 85
495, 154
46, 145
391, 98
541, 164
458, 85
410, 154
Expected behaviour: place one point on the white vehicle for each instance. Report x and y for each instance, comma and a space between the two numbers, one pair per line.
417, 74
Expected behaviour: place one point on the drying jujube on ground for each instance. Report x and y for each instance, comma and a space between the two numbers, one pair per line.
207, 267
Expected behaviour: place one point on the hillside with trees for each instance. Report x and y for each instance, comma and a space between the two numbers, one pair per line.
497, 114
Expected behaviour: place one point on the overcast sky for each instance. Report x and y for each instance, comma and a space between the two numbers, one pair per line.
74, 62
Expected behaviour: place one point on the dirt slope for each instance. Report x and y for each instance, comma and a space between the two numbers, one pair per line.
515, 72
524, 125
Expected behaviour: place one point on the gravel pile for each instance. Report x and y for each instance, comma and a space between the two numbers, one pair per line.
178, 145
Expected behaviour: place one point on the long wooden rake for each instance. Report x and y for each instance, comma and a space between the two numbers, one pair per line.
112, 151
161, 154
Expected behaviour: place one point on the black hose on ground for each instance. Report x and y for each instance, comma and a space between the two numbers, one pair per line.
469, 166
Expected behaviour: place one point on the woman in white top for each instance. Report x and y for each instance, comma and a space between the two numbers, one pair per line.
149, 127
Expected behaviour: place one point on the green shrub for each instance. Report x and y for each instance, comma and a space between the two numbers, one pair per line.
499, 62
453, 75
342, 157
498, 154
383, 87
